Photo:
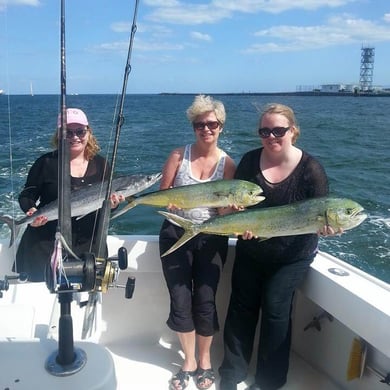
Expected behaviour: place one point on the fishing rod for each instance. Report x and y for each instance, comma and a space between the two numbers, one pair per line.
104, 217
64, 186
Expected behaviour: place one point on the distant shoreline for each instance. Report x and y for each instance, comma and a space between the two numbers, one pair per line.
300, 93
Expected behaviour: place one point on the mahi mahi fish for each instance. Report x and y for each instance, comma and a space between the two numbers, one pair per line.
304, 217
85, 200
217, 193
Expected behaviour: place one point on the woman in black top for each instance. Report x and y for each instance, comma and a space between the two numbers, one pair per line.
41, 188
266, 273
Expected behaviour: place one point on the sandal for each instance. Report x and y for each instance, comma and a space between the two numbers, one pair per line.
203, 376
181, 378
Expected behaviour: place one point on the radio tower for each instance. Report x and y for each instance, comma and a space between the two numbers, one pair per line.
366, 68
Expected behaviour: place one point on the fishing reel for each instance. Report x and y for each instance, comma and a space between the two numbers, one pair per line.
89, 273
108, 272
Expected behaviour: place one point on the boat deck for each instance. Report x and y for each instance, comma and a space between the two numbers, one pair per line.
154, 365
142, 367
130, 347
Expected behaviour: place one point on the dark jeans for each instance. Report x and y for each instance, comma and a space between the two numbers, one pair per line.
258, 284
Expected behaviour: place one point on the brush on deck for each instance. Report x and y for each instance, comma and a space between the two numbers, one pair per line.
357, 362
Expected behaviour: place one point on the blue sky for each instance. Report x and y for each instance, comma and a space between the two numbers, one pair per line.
215, 46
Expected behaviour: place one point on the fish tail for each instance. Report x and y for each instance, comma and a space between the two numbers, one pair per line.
131, 202
12, 225
186, 224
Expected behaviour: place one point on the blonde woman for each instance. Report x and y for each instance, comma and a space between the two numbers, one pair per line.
193, 271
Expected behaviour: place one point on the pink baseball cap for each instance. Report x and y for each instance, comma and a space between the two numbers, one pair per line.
73, 115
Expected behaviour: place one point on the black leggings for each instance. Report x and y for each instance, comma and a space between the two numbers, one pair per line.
192, 274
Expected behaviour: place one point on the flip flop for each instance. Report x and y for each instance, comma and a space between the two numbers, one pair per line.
202, 376
181, 378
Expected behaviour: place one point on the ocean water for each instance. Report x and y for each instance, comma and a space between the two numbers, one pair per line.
349, 135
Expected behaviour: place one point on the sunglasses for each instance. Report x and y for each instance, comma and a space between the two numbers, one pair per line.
278, 132
212, 125
77, 132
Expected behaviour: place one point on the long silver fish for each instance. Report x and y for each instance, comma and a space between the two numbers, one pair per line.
85, 200
217, 193
305, 217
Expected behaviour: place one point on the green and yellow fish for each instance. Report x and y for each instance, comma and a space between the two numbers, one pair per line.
304, 217
218, 193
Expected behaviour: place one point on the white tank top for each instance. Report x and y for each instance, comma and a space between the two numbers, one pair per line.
184, 177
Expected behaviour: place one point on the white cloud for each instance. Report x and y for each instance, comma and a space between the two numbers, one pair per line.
189, 14
277, 6
122, 46
183, 12
200, 36
121, 26
161, 3
4, 4
339, 30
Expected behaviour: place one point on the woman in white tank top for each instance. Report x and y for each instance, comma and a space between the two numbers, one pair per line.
192, 272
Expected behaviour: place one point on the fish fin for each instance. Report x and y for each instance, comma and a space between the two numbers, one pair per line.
13, 226
131, 203
186, 224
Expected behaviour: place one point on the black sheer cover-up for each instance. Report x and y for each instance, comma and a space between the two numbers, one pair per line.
36, 244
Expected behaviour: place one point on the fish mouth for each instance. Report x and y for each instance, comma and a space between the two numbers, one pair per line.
258, 196
358, 215
257, 192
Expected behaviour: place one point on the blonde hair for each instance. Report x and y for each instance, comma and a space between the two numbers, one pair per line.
91, 149
277, 108
203, 104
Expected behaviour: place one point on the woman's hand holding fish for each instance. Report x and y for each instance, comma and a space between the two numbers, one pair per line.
38, 221
248, 235
172, 207
327, 230
115, 200
230, 209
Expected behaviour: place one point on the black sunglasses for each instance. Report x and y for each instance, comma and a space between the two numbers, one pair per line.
265, 132
212, 125
77, 132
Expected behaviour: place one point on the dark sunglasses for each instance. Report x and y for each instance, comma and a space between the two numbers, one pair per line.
265, 132
212, 125
77, 132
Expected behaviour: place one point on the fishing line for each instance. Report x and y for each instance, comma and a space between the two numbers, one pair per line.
11, 166
104, 216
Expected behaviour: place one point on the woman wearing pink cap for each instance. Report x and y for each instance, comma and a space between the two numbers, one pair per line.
41, 188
